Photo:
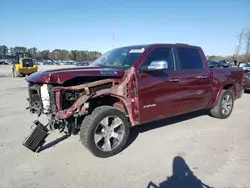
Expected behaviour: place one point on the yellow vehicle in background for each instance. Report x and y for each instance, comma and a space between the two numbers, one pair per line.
23, 65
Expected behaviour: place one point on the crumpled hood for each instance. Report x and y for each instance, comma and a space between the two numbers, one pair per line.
59, 76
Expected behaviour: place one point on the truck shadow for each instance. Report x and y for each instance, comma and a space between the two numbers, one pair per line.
135, 131
247, 91
53, 143
182, 177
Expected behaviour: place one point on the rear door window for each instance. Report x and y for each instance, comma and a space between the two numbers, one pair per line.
188, 59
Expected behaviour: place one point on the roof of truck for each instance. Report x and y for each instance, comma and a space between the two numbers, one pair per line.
159, 44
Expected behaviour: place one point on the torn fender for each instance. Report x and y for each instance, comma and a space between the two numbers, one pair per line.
126, 92
88, 91
122, 89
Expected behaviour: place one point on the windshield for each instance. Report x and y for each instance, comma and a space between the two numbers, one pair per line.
122, 58
27, 63
246, 65
241, 64
212, 62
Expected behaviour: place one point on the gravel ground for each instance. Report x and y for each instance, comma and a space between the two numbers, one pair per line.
216, 151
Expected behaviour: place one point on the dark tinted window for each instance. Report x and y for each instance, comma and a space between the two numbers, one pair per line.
246, 65
28, 63
161, 54
188, 59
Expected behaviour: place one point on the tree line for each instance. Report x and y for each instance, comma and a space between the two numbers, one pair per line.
242, 51
57, 54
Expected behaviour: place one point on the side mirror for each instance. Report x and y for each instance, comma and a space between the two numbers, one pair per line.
155, 66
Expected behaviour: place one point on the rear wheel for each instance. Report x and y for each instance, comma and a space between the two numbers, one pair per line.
224, 105
105, 131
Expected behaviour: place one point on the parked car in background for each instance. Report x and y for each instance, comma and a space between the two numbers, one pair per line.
86, 63
213, 64
217, 64
241, 63
48, 62
78, 63
83, 63
5, 62
61, 62
247, 81
246, 67
2, 62
69, 63
224, 64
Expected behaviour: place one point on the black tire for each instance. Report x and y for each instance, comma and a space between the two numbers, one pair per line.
247, 91
90, 123
216, 111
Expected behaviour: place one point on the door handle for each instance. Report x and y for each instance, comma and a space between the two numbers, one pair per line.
202, 77
174, 80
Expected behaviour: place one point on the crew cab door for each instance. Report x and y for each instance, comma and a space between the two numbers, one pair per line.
194, 78
157, 88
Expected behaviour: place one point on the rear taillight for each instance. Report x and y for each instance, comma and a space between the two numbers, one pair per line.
243, 77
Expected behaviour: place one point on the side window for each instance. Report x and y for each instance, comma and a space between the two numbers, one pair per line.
160, 54
188, 58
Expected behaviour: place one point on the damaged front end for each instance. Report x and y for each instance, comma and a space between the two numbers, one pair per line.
64, 105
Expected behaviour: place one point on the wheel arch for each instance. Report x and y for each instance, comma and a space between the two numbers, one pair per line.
227, 86
108, 100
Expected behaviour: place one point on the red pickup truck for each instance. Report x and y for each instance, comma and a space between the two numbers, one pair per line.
125, 87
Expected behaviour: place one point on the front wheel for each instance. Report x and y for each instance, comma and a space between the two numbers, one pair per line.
224, 105
105, 131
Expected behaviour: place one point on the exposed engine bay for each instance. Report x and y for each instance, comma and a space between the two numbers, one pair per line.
61, 102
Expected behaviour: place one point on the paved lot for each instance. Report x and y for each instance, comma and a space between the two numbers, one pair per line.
216, 151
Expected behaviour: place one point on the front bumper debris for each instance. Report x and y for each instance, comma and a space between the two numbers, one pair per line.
37, 137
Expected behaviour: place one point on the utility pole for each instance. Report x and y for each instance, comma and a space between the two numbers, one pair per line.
113, 35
